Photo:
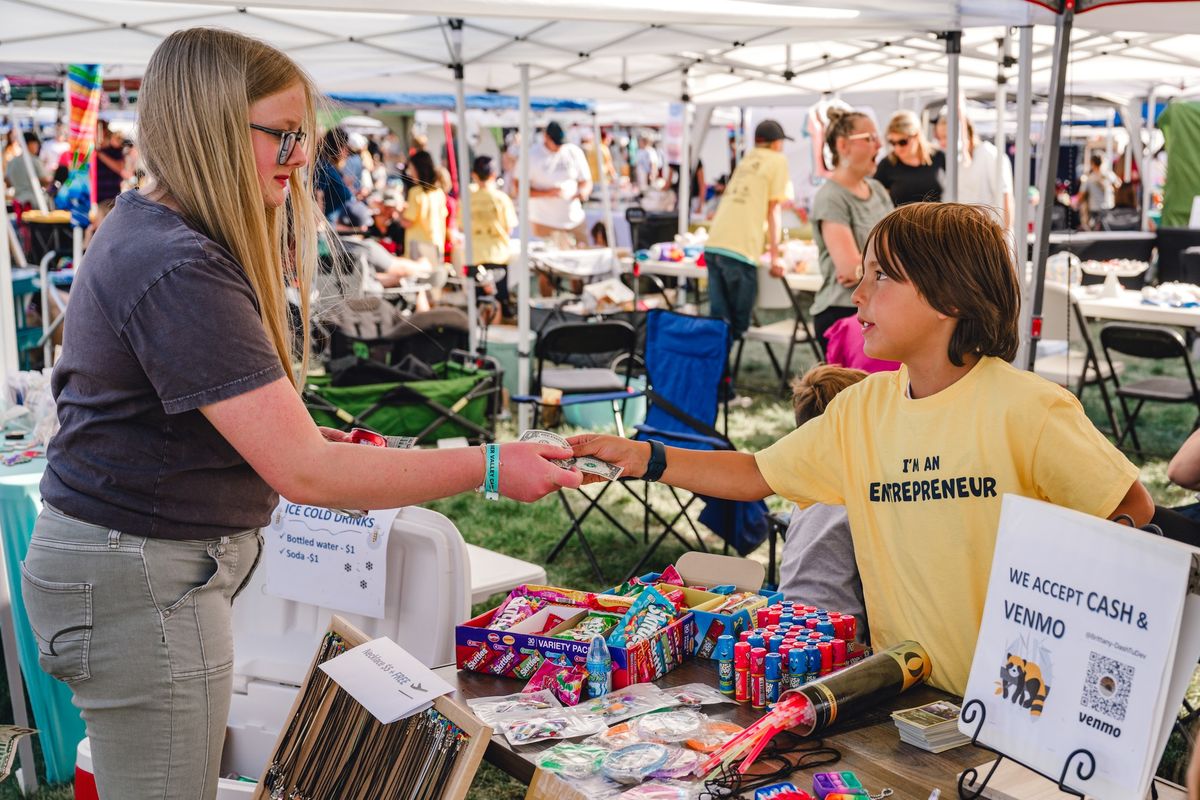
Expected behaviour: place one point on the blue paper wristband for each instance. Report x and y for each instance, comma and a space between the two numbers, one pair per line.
491, 475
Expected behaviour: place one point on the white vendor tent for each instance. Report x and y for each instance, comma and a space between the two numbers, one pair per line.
709, 51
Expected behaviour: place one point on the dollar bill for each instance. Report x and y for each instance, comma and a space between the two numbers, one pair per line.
592, 466
401, 442
10, 735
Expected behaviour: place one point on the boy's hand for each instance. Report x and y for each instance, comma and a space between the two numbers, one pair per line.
631, 456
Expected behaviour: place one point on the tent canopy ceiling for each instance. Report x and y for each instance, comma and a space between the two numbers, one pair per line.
734, 50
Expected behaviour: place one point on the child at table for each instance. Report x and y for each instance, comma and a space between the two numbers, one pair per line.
921, 457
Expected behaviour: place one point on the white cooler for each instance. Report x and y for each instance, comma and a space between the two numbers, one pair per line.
428, 593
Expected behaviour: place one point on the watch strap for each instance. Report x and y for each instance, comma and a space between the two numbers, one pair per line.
657, 463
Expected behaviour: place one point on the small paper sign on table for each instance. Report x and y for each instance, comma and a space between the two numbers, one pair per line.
328, 558
386, 680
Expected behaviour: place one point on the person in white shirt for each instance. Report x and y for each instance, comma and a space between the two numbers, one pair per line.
559, 180
648, 166
977, 174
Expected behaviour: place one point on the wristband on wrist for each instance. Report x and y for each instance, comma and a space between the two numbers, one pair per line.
491, 472
657, 463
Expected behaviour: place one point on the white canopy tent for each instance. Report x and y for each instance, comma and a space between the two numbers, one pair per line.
732, 50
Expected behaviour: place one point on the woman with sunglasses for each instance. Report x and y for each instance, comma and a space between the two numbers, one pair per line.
844, 210
912, 170
181, 423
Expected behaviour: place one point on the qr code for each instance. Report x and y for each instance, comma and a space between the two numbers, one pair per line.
1106, 690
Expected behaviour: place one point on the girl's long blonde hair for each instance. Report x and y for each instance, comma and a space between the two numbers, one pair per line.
194, 139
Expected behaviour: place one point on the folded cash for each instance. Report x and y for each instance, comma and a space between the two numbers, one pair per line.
588, 464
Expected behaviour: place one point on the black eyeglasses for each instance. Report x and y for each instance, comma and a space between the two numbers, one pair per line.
287, 140
893, 142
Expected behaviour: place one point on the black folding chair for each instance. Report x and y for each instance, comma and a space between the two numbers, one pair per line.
1153, 343
686, 360
580, 356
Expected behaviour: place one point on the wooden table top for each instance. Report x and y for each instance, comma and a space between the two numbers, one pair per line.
870, 744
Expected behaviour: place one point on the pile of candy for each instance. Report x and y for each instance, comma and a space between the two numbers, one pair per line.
596, 623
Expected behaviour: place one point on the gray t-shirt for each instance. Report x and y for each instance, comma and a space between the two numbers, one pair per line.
162, 321
834, 203
818, 566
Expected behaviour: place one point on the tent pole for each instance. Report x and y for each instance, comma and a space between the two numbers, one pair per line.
464, 186
684, 196
8, 312
953, 155
1047, 172
1021, 169
524, 413
1148, 159
605, 192
1001, 110
1110, 130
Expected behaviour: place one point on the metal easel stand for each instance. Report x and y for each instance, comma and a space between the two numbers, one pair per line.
1084, 769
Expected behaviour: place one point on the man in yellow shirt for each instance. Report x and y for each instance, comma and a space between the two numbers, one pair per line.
735, 241
492, 220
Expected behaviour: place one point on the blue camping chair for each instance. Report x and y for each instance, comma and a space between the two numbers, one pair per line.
686, 361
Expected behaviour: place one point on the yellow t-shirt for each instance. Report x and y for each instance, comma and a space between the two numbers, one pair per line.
427, 210
739, 227
922, 480
492, 218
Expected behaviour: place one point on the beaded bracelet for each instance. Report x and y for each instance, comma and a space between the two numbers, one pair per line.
491, 475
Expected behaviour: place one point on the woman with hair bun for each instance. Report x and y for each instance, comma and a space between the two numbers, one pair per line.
844, 210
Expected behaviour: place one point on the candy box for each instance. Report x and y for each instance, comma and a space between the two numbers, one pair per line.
728, 574
518, 651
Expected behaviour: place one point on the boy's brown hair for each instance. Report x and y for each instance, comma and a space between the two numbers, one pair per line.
812, 393
959, 260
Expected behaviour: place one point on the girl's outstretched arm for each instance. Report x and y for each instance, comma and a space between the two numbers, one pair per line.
717, 473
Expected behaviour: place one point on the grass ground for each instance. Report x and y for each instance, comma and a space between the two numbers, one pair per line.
530, 531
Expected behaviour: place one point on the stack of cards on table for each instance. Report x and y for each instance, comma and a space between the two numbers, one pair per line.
932, 727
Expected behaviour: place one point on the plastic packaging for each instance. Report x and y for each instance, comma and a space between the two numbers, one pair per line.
680, 763
623, 704
670, 726
489, 709
566, 681
658, 790
633, 764
563, 724
572, 760
716, 733
694, 695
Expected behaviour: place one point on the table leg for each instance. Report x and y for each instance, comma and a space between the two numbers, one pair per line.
16, 683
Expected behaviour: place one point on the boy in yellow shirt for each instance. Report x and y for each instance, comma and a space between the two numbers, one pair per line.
492, 221
921, 457
747, 217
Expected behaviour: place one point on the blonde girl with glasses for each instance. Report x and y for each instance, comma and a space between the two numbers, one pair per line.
181, 423
912, 171
844, 210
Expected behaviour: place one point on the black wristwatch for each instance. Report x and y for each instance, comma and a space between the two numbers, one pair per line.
657, 463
